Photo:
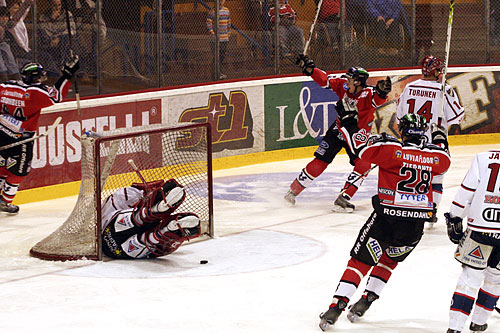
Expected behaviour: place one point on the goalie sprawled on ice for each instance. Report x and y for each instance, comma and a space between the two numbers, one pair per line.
139, 221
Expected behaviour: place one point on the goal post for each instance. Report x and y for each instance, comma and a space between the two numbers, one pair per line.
182, 152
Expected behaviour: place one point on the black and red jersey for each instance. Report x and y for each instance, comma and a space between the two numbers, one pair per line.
405, 171
366, 100
21, 104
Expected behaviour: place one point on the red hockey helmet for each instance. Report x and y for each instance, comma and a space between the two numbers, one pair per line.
430, 64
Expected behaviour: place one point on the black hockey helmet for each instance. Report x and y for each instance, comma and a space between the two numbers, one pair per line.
33, 73
413, 126
358, 74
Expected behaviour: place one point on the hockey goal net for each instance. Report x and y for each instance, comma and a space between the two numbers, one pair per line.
183, 153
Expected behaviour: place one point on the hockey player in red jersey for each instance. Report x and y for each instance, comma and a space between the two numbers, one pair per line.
353, 86
424, 97
478, 249
138, 222
21, 103
401, 207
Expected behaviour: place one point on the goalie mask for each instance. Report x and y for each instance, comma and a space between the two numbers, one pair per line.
412, 127
358, 74
33, 73
430, 64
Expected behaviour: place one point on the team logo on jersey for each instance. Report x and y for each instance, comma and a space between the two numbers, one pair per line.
477, 253
131, 247
27, 95
374, 248
360, 138
491, 214
122, 221
398, 153
436, 160
346, 87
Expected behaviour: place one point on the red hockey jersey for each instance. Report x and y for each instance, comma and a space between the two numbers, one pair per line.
21, 104
366, 100
405, 172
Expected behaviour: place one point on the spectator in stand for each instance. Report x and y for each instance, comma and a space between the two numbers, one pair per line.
495, 22
54, 38
329, 19
223, 31
423, 27
17, 33
384, 17
8, 64
85, 15
291, 36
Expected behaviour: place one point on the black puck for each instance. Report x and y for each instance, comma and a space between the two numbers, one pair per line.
203, 262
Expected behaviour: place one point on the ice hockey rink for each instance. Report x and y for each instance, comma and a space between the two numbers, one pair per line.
271, 268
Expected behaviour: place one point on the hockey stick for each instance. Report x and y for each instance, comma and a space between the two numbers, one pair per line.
136, 169
446, 58
358, 178
71, 52
47, 132
306, 47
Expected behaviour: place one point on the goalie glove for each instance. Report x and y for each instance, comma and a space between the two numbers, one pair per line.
384, 87
347, 111
306, 64
439, 136
454, 228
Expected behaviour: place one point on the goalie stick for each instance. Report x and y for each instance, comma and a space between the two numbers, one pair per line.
446, 58
47, 132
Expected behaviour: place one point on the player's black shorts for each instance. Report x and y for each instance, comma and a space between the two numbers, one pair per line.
18, 158
396, 237
331, 144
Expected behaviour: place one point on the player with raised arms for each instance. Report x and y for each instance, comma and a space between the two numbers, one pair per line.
353, 86
21, 103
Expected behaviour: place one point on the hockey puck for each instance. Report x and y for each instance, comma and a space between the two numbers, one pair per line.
203, 262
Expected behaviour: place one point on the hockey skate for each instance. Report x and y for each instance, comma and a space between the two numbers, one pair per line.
290, 197
475, 328
342, 205
452, 331
8, 208
359, 308
330, 317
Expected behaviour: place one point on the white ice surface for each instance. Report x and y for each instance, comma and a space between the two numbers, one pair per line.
271, 268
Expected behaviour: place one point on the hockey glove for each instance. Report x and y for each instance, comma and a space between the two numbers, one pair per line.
439, 137
71, 67
454, 226
384, 87
347, 111
306, 64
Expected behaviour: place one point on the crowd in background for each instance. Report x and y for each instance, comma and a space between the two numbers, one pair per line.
372, 33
